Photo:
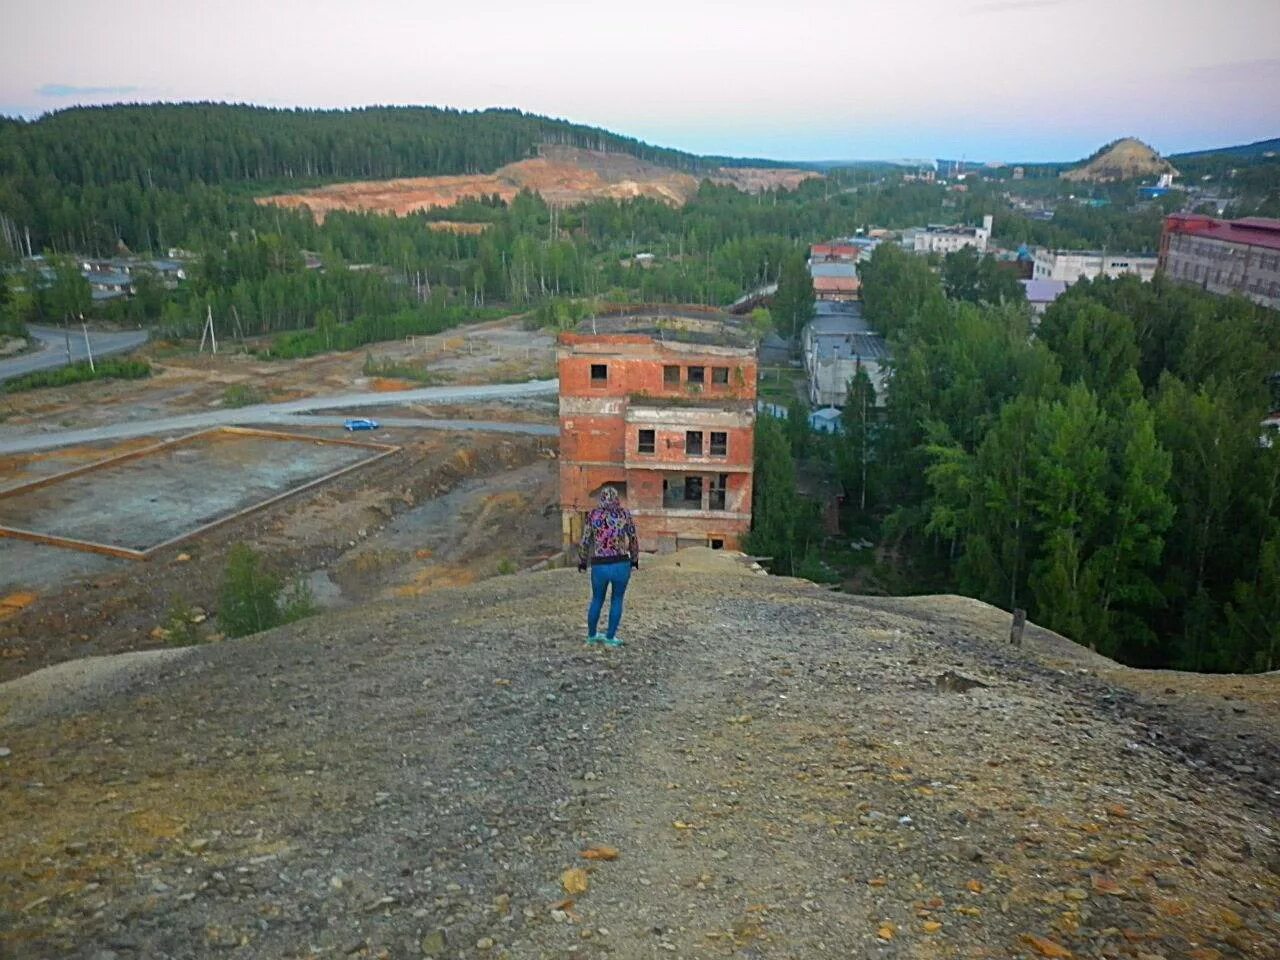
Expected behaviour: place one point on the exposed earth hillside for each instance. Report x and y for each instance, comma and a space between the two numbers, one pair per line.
1126, 159
562, 175
767, 769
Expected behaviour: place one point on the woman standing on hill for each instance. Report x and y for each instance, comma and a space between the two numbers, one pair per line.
610, 547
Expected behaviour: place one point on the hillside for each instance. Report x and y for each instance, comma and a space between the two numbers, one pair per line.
176, 145
562, 175
1245, 151
1126, 159
781, 771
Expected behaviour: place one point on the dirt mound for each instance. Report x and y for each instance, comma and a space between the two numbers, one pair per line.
562, 175
774, 769
1127, 159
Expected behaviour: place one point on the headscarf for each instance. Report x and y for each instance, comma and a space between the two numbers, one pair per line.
609, 498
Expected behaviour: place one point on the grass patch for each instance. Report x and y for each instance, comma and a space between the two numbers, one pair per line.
79, 373
241, 395
401, 371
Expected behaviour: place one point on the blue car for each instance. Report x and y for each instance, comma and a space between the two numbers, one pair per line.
361, 423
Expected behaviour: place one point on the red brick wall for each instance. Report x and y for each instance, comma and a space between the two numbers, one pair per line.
599, 446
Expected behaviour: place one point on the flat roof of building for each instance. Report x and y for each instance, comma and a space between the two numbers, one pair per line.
1044, 291
711, 329
832, 269
838, 325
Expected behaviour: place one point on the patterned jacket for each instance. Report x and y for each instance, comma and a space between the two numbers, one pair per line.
609, 535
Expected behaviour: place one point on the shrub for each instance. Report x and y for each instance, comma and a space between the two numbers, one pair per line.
254, 599
241, 395
79, 373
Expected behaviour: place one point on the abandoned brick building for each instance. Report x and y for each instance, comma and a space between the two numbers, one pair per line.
670, 423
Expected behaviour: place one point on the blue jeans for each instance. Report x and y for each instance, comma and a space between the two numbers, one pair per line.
602, 575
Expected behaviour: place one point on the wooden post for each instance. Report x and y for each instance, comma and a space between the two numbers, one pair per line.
1019, 622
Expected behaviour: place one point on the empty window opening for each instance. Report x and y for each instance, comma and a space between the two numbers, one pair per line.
717, 543
599, 374
720, 375
693, 443
697, 374
693, 492
647, 442
717, 495
719, 444
671, 376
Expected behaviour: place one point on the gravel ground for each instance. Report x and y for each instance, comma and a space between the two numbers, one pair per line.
780, 771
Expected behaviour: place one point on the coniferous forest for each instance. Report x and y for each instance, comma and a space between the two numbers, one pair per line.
1109, 474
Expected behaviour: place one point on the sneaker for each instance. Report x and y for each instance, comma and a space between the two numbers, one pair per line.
611, 642
598, 638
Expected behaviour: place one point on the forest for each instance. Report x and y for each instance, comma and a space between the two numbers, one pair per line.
1108, 474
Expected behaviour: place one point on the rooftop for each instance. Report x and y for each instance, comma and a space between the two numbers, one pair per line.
864, 346
707, 330
1044, 291
838, 325
1252, 231
833, 269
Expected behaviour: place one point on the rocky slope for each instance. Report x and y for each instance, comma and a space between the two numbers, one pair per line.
1126, 159
766, 770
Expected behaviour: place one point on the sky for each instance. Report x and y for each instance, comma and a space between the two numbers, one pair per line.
849, 79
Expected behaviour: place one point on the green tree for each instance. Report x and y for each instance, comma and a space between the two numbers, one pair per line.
1070, 466
794, 301
1254, 611
254, 599
979, 279
1094, 344
783, 525
856, 445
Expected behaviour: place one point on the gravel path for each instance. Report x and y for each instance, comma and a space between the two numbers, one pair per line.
778, 768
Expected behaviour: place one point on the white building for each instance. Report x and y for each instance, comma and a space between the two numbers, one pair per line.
936, 238
1072, 265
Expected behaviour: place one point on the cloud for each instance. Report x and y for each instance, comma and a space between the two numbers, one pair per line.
66, 90
1239, 71
1015, 6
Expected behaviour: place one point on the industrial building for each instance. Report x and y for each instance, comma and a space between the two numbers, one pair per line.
1072, 265
666, 414
937, 238
836, 344
1224, 256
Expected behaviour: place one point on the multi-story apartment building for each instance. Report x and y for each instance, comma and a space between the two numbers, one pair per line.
1224, 256
1072, 265
669, 423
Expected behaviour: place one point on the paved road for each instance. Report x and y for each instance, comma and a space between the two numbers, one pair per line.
492, 426
53, 349
278, 413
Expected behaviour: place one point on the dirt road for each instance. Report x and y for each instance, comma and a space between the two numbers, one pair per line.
780, 770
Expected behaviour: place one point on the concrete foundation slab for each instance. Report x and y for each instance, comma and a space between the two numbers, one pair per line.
132, 505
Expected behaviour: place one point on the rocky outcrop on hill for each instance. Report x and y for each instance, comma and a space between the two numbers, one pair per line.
766, 769
1126, 159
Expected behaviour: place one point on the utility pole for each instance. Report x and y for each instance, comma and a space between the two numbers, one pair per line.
207, 333
88, 347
